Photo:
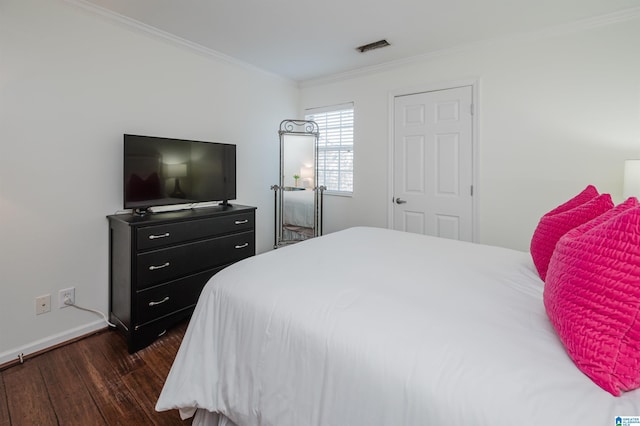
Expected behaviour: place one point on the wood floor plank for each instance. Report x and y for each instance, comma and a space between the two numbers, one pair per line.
70, 397
101, 376
161, 353
90, 382
27, 397
147, 386
114, 347
5, 420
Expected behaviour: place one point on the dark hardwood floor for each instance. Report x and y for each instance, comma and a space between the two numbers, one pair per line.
93, 381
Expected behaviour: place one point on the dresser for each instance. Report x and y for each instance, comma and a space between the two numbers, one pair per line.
160, 262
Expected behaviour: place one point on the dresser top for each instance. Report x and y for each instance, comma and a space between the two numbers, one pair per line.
176, 215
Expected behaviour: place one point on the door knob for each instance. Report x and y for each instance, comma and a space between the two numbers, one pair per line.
400, 201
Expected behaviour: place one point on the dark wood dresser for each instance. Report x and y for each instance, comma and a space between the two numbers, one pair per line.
160, 262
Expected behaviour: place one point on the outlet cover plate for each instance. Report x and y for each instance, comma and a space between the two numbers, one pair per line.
43, 304
64, 293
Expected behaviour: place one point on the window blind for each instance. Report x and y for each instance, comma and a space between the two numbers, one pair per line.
335, 147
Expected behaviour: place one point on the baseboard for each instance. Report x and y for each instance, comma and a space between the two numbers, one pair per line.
13, 356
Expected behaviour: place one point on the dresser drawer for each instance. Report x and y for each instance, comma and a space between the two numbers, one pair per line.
149, 237
161, 300
161, 265
144, 335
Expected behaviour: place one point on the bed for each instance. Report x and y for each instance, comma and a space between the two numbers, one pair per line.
298, 215
371, 326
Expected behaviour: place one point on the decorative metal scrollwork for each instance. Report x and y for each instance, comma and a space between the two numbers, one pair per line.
303, 127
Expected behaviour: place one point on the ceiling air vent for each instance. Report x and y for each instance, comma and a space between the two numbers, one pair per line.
374, 45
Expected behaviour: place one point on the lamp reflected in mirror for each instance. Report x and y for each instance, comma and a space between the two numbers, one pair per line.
306, 174
177, 171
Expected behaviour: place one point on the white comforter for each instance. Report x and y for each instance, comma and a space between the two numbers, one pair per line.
369, 327
298, 208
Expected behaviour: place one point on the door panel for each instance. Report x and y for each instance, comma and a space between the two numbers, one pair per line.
447, 167
433, 163
414, 164
448, 226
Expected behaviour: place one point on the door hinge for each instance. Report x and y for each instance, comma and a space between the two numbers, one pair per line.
472, 190
471, 109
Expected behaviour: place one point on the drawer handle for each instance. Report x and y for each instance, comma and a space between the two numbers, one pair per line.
155, 237
242, 245
160, 302
162, 333
241, 222
153, 267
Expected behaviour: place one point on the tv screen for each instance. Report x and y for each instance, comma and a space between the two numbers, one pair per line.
164, 171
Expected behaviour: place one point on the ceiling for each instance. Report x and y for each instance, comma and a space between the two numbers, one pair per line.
304, 40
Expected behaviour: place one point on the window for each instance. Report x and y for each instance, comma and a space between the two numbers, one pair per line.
335, 147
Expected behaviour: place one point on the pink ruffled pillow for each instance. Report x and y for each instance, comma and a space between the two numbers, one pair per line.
580, 209
592, 297
587, 194
576, 232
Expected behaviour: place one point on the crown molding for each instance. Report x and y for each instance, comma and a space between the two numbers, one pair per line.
513, 39
173, 39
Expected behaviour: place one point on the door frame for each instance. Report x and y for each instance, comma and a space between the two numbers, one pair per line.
475, 137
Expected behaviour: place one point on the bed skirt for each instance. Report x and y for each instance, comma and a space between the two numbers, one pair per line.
207, 418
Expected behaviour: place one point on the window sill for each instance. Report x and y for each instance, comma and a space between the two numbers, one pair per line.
339, 194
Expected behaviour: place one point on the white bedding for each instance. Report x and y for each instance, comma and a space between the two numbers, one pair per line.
369, 327
298, 208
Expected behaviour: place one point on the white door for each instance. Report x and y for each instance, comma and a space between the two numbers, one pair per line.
433, 163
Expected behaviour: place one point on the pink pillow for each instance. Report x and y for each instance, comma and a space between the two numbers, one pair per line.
562, 219
587, 194
592, 297
577, 231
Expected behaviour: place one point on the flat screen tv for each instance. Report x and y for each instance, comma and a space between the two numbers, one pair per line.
163, 171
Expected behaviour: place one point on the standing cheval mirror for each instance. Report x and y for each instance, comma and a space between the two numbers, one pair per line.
298, 198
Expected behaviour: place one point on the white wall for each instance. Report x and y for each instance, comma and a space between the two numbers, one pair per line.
71, 83
555, 114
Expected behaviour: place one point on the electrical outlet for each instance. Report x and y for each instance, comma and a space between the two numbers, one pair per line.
43, 304
64, 294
